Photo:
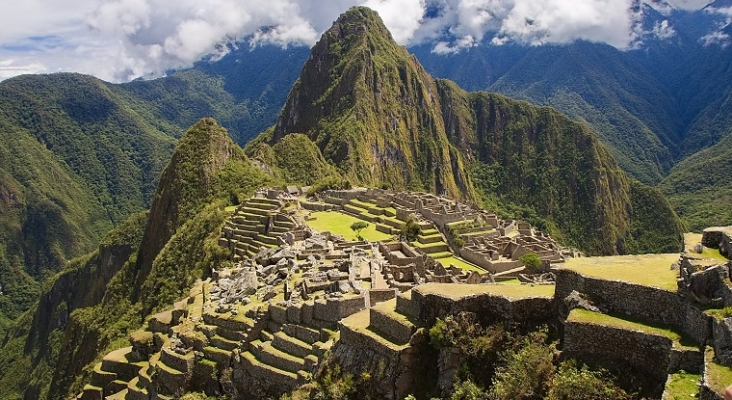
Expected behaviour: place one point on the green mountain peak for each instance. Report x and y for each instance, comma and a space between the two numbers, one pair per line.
373, 111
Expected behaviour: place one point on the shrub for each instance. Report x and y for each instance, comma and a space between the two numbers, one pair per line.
357, 227
411, 229
526, 374
467, 390
531, 261
573, 383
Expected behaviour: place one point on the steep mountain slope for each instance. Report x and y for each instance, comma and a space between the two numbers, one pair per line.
244, 91
378, 117
92, 304
80, 155
205, 165
74, 161
373, 111
700, 187
596, 83
652, 105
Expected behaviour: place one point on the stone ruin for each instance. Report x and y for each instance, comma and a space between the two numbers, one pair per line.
263, 326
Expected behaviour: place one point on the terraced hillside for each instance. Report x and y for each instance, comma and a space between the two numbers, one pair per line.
284, 314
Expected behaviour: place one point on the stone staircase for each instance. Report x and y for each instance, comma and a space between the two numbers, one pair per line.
288, 352
256, 223
113, 374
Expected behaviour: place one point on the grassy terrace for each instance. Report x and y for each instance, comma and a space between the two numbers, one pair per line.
512, 292
648, 270
591, 317
718, 376
462, 264
690, 239
682, 386
363, 204
340, 224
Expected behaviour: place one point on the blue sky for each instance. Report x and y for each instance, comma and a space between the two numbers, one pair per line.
120, 40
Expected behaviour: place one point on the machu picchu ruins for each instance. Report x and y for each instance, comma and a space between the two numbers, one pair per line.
293, 297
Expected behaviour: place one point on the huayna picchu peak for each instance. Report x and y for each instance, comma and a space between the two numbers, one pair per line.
374, 113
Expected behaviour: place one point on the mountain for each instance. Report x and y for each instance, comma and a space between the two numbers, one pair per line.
75, 162
377, 116
80, 155
243, 91
654, 105
373, 111
92, 304
389, 123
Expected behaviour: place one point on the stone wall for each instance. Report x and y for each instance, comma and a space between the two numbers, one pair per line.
333, 310
390, 327
705, 391
611, 347
650, 304
317, 206
718, 238
377, 296
489, 308
722, 343
647, 303
484, 261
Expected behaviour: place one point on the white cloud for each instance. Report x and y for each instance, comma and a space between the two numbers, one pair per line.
118, 40
719, 37
663, 30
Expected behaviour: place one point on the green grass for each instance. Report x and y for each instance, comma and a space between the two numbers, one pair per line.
682, 386
513, 292
691, 239
363, 204
460, 263
591, 317
719, 313
648, 270
340, 224
719, 376
428, 245
230, 209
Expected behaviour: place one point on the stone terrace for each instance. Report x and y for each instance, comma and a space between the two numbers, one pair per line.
263, 327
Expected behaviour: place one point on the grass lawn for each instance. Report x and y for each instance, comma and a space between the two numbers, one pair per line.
682, 386
591, 317
363, 204
230, 208
648, 270
691, 239
462, 264
719, 375
513, 292
340, 224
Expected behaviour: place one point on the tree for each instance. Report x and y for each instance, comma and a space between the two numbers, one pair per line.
410, 229
357, 227
531, 261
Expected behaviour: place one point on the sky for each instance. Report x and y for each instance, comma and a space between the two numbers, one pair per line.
120, 40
